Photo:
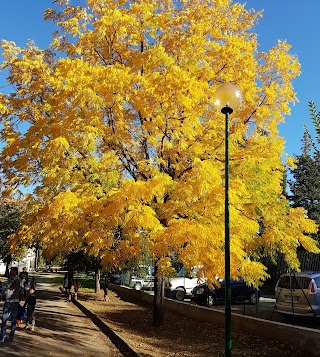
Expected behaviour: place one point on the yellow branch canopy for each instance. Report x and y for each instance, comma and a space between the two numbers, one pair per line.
125, 151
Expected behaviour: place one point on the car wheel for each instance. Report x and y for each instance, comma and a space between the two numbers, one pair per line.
210, 300
179, 294
252, 298
137, 286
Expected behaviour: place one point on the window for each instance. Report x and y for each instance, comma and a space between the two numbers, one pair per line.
297, 282
317, 280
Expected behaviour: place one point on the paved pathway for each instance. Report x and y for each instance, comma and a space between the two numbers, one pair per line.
61, 330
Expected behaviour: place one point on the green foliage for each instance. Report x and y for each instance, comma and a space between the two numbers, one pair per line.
80, 261
307, 142
10, 216
305, 187
315, 117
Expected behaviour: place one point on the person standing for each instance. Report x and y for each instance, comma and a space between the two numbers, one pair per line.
30, 304
67, 284
11, 304
24, 280
106, 286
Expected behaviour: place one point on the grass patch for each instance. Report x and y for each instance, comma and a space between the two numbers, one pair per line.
56, 279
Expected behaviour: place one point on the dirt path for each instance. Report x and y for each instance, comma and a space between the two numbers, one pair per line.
61, 330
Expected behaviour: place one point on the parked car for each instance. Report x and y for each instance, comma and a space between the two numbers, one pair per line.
204, 295
115, 278
298, 294
142, 278
142, 283
181, 286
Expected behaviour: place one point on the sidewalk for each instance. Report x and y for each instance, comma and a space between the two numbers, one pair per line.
61, 330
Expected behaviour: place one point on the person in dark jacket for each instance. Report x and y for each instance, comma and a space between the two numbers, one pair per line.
11, 304
30, 304
24, 279
68, 281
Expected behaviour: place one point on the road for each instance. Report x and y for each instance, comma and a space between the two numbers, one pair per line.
267, 311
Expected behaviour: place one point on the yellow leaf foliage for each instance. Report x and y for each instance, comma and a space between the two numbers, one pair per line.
124, 150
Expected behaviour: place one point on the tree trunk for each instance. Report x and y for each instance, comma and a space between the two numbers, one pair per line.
7, 260
36, 259
97, 279
158, 298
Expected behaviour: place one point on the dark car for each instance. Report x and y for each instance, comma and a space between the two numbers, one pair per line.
204, 295
115, 278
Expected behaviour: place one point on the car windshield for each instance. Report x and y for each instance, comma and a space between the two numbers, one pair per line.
144, 271
294, 282
232, 281
186, 273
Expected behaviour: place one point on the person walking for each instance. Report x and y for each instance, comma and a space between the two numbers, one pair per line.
11, 304
24, 280
67, 284
30, 305
77, 286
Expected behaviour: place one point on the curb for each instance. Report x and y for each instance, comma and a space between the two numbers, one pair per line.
121, 344
307, 339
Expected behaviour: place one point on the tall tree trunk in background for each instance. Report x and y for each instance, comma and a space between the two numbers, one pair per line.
7, 260
36, 259
97, 276
158, 298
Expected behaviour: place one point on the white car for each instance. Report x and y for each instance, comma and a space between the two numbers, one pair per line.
143, 278
141, 284
181, 286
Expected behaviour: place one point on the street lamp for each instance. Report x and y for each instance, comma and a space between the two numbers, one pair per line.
226, 99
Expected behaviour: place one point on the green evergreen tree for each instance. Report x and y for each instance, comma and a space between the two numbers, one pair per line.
315, 117
307, 142
305, 186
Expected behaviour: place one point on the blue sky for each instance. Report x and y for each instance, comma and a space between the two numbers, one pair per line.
295, 21
298, 23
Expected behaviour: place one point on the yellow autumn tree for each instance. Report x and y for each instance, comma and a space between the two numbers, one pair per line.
114, 127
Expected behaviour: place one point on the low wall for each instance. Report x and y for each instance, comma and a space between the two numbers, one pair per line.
302, 337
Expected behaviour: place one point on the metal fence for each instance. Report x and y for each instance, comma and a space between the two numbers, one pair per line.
308, 262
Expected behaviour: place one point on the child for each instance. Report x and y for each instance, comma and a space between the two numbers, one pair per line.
105, 294
76, 285
20, 315
30, 304
33, 283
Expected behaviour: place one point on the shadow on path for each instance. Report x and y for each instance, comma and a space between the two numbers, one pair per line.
61, 330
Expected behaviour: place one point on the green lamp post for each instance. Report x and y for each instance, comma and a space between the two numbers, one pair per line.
226, 99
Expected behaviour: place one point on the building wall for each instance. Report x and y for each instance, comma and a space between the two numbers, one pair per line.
2, 267
28, 261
